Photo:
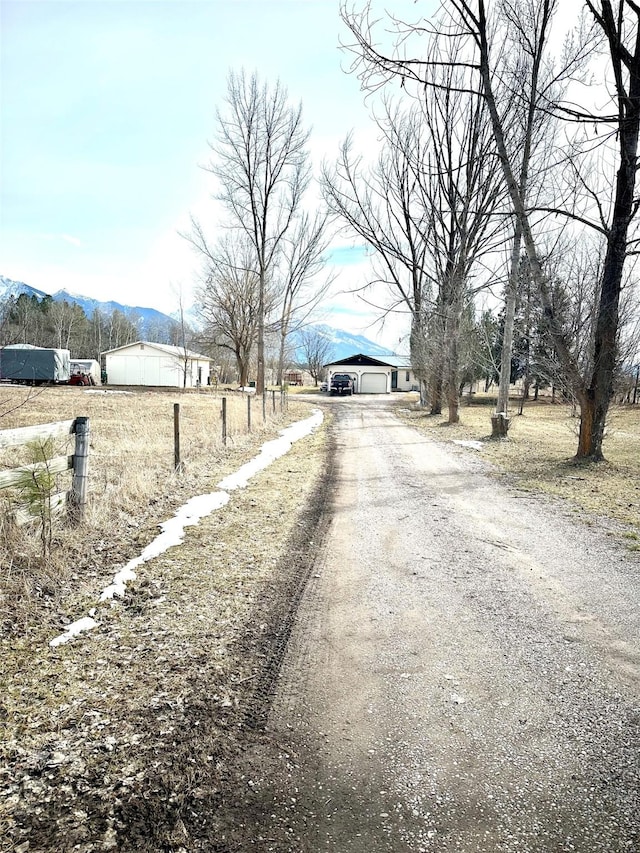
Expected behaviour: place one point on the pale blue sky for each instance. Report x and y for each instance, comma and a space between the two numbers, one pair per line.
107, 106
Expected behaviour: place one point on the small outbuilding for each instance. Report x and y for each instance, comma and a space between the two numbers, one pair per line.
375, 375
151, 364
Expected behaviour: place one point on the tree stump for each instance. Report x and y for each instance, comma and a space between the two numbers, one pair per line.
499, 425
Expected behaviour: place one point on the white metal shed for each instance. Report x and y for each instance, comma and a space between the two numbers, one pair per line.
147, 363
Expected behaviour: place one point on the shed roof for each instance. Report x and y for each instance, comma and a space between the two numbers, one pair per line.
168, 349
21, 346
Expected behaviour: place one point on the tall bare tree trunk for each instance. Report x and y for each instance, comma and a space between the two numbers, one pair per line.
436, 388
452, 338
600, 391
453, 395
500, 422
260, 389
261, 162
281, 353
418, 351
243, 367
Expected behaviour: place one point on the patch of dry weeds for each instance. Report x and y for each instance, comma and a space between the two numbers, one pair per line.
126, 738
132, 484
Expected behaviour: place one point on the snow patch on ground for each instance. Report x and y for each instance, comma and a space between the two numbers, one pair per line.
190, 514
172, 534
474, 445
269, 452
78, 627
104, 391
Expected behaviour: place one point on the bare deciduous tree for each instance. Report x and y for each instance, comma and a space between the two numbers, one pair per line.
593, 390
383, 205
182, 334
316, 350
300, 287
65, 318
464, 194
619, 26
260, 159
622, 32
229, 298
427, 209
528, 83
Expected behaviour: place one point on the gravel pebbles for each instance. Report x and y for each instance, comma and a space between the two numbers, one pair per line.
464, 671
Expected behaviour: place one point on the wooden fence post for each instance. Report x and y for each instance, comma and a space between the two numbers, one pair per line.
224, 420
273, 401
177, 464
80, 476
248, 412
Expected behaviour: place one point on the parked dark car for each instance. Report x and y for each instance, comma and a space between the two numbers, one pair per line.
341, 383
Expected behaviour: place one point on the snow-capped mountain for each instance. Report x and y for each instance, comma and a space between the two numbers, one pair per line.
155, 325
150, 322
9, 288
145, 318
344, 344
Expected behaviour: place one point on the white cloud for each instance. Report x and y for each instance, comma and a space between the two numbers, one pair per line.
75, 241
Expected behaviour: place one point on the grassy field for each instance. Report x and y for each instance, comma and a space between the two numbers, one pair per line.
128, 738
538, 455
132, 482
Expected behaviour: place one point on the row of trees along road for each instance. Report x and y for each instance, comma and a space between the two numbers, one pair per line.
264, 275
493, 171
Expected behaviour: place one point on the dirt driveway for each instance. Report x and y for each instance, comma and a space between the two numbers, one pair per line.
464, 670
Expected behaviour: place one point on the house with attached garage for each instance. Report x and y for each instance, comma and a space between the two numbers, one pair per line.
158, 365
375, 375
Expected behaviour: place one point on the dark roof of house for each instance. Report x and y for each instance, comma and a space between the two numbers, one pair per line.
359, 359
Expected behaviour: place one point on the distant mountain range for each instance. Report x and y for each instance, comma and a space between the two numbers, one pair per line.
344, 344
150, 322
154, 325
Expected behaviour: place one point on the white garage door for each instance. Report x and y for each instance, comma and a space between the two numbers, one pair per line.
373, 383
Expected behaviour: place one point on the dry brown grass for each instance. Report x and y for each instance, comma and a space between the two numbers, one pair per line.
132, 482
304, 389
112, 740
538, 454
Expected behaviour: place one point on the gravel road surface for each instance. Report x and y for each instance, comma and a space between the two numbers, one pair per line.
464, 671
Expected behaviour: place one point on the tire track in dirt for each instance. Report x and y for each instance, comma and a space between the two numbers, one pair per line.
293, 574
